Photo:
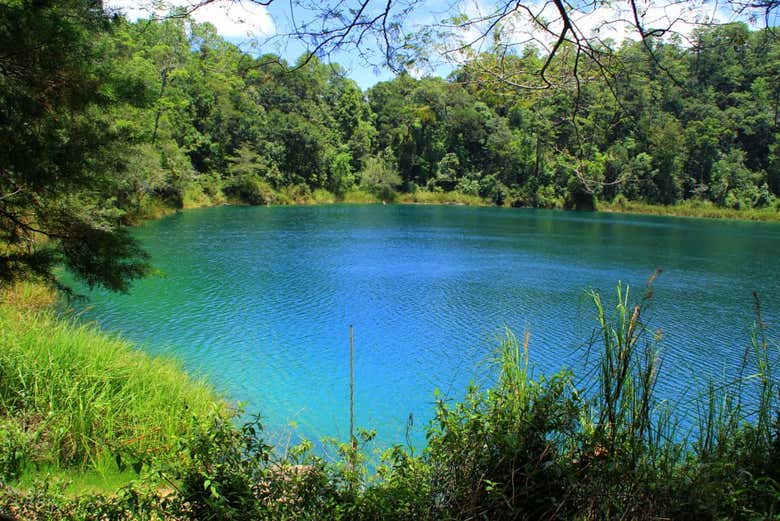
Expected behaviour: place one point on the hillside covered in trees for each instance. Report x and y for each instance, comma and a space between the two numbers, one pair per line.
198, 117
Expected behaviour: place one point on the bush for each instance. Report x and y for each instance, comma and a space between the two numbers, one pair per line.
15, 445
493, 189
380, 178
251, 190
547, 197
496, 455
223, 471
620, 202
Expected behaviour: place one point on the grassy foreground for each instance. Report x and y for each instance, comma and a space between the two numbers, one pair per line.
527, 447
73, 398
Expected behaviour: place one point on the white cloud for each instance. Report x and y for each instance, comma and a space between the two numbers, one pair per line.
539, 23
232, 18
617, 22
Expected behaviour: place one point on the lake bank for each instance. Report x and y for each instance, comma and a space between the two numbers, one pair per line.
696, 209
196, 197
523, 446
79, 402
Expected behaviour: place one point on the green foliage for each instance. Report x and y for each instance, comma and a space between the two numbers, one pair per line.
75, 394
15, 445
692, 208
223, 471
60, 155
341, 178
494, 190
380, 178
250, 189
453, 198
497, 454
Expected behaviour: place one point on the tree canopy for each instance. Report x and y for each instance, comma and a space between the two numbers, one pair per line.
59, 159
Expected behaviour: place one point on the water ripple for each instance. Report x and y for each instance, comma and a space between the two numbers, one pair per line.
260, 299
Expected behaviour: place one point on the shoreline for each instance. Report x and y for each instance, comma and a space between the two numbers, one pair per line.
687, 209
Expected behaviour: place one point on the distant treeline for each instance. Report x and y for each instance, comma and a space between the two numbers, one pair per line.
203, 117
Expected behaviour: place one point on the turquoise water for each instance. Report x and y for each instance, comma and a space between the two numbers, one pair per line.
260, 299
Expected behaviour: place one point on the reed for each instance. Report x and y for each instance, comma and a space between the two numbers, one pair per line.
449, 198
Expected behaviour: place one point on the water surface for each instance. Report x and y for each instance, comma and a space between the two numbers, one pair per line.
260, 299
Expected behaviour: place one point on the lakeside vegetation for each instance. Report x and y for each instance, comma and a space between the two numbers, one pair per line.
696, 208
74, 399
527, 447
701, 209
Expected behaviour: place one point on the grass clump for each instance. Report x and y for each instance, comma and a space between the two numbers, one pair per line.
69, 395
358, 196
452, 198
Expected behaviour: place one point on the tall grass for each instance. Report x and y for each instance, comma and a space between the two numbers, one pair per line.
27, 296
73, 394
705, 209
454, 198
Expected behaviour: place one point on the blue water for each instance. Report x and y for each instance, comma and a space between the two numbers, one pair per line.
260, 299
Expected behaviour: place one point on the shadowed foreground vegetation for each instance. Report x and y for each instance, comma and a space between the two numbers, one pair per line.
528, 447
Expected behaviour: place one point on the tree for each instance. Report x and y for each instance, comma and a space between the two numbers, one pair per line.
59, 152
383, 31
341, 178
379, 177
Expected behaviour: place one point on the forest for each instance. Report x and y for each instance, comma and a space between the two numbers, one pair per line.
697, 122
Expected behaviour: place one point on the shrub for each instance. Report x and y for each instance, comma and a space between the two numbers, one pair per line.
496, 455
15, 445
251, 190
380, 178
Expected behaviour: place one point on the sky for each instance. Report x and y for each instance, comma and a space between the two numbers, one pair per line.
255, 29
260, 29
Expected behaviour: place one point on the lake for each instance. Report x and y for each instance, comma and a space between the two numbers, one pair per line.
260, 301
